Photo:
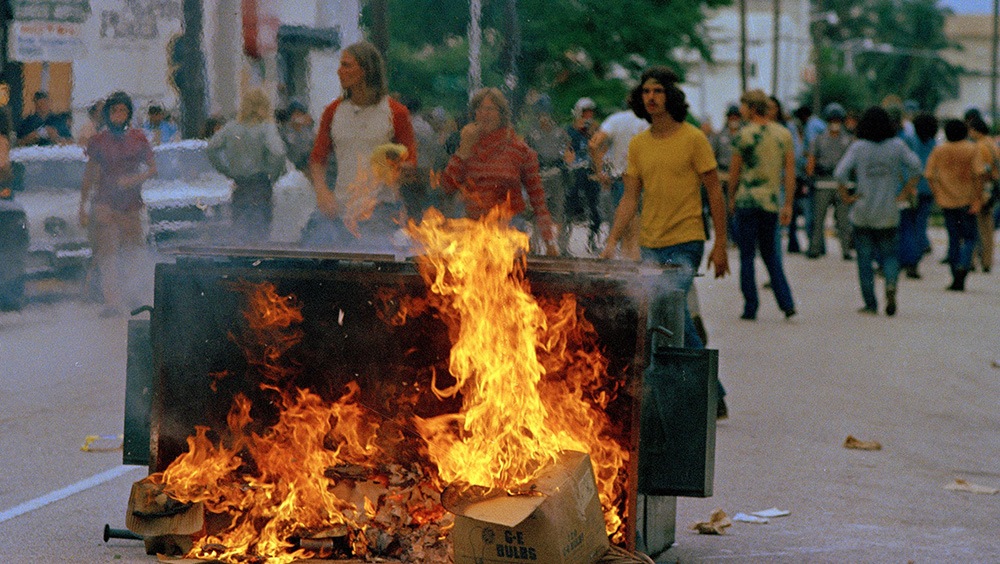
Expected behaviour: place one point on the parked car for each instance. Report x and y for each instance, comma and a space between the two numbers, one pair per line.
187, 200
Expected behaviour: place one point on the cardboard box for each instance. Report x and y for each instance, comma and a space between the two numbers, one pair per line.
558, 522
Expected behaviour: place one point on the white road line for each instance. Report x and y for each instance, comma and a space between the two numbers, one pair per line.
69, 490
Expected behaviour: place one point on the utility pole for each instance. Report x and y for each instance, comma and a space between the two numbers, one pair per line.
743, 46
475, 43
380, 26
511, 54
189, 76
774, 49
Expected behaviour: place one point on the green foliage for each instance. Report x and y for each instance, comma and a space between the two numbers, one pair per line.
439, 75
569, 48
846, 90
896, 47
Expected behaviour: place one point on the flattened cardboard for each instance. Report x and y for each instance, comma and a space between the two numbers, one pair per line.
187, 522
564, 523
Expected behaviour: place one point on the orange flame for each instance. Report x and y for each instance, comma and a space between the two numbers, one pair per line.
530, 378
275, 485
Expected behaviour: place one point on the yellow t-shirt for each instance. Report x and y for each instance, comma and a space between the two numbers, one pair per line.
670, 170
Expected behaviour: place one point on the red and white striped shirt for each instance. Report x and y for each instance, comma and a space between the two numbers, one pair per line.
499, 165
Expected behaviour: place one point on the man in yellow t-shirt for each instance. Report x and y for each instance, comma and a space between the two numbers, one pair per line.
667, 165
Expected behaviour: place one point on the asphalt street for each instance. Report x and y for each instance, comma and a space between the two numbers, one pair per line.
925, 384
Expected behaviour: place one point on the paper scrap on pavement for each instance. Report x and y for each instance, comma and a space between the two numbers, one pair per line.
717, 523
773, 512
853, 442
744, 518
960, 485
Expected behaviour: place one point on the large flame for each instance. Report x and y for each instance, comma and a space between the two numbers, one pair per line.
530, 373
275, 484
531, 377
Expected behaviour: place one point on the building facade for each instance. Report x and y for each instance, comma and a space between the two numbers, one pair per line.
974, 33
712, 86
178, 53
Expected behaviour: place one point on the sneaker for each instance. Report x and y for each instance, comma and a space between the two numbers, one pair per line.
721, 411
789, 313
868, 311
890, 302
749, 316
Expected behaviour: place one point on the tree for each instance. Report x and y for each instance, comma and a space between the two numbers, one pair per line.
895, 45
569, 48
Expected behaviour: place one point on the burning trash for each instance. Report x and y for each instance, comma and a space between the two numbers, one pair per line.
521, 409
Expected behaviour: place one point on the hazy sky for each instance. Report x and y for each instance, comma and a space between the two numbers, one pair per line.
969, 6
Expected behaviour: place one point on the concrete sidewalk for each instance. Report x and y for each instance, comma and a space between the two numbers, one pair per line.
925, 384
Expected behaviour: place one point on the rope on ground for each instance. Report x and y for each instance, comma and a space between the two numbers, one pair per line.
616, 555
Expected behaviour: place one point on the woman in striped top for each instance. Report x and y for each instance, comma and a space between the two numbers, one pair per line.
492, 165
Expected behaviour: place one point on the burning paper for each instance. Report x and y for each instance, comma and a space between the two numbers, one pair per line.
527, 394
273, 489
301, 474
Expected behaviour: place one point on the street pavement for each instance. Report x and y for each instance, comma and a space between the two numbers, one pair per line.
925, 384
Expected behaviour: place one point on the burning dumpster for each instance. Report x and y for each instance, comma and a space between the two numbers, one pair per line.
318, 404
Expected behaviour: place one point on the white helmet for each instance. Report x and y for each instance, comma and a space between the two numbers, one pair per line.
581, 105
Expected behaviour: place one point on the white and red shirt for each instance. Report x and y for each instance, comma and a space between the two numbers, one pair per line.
352, 133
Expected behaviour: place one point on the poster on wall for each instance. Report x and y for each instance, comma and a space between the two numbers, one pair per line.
47, 41
62, 11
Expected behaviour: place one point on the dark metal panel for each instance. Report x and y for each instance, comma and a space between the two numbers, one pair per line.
677, 442
138, 393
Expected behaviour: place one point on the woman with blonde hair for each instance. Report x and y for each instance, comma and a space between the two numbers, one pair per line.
250, 152
361, 128
492, 165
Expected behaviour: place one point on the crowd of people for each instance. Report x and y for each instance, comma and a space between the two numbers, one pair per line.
649, 182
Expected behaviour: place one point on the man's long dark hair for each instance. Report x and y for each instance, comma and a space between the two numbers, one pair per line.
676, 103
876, 125
925, 125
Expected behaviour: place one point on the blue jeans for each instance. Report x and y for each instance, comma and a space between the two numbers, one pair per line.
756, 229
688, 257
913, 231
882, 246
375, 235
962, 236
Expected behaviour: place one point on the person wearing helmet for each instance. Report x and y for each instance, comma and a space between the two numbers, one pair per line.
120, 159
583, 188
823, 155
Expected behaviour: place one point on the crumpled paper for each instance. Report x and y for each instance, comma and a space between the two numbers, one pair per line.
960, 485
853, 442
772, 512
744, 518
717, 523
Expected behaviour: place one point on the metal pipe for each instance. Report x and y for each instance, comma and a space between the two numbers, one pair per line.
110, 533
316, 544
